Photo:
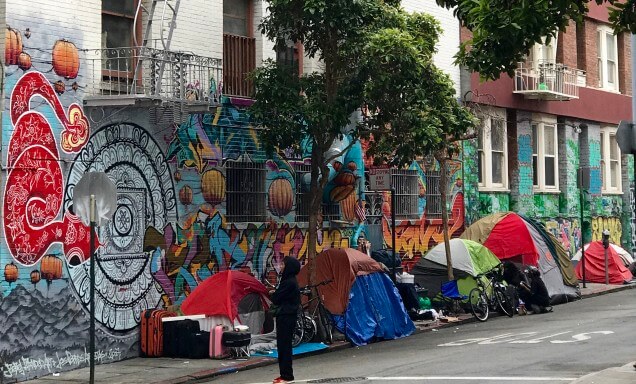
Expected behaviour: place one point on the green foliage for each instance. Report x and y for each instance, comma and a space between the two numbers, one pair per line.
414, 108
505, 30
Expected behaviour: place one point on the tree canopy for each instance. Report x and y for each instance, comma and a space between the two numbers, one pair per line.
503, 31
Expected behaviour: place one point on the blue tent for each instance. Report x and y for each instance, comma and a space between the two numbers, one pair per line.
375, 310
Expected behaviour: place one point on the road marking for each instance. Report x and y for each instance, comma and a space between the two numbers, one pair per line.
514, 338
441, 378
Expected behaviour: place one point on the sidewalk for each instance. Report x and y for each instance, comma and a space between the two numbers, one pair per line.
181, 371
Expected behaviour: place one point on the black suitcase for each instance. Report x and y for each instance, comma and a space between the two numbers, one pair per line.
178, 336
234, 339
199, 345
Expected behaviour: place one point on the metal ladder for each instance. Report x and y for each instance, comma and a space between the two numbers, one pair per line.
165, 13
166, 16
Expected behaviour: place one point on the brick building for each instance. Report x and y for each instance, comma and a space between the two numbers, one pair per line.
558, 114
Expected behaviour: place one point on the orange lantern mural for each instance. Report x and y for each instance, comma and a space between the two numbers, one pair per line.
348, 207
35, 277
213, 187
340, 193
24, 61
281, 197
59, 86
12, 46
185, 195
51, 268
65, 59
10, 273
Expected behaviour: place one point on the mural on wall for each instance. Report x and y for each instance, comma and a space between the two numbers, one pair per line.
471, 181
567, 231
490, 203
546, 205
44, 130
569, 202
524, 201
612, 224
632, 210
596, 182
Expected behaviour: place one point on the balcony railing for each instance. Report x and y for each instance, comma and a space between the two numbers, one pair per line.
239, 59
548, 81
128, 75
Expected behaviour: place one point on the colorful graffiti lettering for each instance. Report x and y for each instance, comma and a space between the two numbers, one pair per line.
183, 258
414, 239
34, 190
612, 224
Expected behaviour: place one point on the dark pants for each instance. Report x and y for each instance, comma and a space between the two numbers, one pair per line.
285, 325
530, 299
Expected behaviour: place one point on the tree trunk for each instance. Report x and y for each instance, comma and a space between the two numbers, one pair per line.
443, 191
315, 208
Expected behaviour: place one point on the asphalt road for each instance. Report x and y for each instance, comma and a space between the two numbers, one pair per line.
576, 339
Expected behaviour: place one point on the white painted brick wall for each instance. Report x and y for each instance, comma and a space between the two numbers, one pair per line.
199, 28
449, 40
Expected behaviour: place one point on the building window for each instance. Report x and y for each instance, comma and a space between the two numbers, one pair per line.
118, 21
607, 55
246, 195
405, 183
236, 17
287, 55
492, 150
302, 178
545, 174
610, 161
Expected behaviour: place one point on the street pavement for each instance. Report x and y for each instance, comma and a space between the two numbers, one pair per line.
177, 371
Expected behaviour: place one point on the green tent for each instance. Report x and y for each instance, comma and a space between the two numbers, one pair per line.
469, 259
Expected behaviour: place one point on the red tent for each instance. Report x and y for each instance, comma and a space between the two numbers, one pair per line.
595, 265
220, 294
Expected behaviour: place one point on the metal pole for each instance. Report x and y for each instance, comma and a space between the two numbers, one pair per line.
582, 194
92, 279
606, 272
393, 230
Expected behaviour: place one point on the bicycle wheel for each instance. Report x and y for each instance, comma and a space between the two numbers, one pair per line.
478, 304
504, 303
299, 331
309, 328
326, 323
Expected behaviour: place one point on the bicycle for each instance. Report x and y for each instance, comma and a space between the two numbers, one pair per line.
313, 317
490, 295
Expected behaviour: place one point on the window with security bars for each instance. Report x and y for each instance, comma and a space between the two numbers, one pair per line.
302, 177
405, 183
433, 195
245, 192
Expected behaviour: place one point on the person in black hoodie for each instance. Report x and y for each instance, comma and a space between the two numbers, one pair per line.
287, 298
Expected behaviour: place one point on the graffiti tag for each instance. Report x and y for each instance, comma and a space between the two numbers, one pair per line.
54, 364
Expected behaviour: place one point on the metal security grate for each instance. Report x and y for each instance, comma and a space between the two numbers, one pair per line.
405, 183
303, 172
433, 195
246, 195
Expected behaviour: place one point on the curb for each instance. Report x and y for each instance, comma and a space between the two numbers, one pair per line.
259, 362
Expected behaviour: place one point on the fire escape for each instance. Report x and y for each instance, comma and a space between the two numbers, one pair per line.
149, 73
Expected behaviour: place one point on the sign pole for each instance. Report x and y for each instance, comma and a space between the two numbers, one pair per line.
393, 230
92, 272
582, 193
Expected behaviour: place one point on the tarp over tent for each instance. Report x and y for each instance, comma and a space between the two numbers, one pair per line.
469, 259
362, 298
595, 265
622, 253
519, 239
341, 265
232, 295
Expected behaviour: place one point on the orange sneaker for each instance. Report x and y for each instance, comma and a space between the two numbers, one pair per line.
279, 380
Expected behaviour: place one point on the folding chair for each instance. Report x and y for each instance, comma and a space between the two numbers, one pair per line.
452, 298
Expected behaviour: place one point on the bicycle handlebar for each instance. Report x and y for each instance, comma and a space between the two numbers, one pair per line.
308, 288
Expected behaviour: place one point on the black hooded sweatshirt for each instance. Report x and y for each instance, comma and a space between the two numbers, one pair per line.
287, 295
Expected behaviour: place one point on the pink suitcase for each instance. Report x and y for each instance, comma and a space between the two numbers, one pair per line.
217, 350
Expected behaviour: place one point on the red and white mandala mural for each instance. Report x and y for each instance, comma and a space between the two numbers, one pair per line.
35, 186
